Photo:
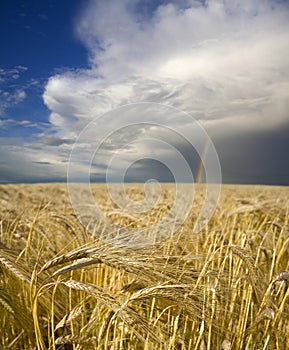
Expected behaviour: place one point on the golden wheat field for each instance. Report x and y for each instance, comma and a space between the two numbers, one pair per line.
224, 288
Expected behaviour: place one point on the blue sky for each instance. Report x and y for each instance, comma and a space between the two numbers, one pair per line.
64, 63
37, 40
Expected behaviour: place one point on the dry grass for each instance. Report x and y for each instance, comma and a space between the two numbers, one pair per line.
224, 288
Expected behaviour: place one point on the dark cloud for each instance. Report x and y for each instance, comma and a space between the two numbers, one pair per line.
255, 157
43, 163
147, 169
56, 141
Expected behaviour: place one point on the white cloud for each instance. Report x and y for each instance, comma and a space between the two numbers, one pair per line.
224, 62
11, 74
9, 99
9, 123
13, 94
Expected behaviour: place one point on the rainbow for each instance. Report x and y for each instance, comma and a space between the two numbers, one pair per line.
200, 172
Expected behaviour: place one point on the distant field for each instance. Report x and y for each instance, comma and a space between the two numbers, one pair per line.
223, 288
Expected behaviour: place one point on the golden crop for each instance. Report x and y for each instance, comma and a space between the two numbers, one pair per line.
223, 288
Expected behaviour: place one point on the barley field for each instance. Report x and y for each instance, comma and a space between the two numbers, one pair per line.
62, 287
